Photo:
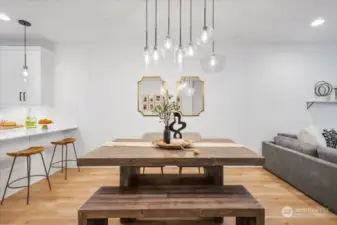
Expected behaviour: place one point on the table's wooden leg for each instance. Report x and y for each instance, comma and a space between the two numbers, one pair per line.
249, 221
218, 219
97, 221
126, 173
125, 176
216, 174
127, 220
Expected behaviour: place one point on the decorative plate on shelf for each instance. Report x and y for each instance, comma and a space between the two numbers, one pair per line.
172, 146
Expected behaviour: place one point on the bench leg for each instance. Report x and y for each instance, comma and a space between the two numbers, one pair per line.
97, 221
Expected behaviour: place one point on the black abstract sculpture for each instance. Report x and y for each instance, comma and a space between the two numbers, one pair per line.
177, 119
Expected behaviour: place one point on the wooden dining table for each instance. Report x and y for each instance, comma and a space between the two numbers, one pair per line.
131, 158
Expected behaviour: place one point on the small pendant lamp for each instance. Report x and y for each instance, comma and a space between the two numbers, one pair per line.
24, 72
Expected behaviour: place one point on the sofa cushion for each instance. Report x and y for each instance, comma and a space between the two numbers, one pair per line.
311, 135
330, 138
296, 145
289, 135
327, 154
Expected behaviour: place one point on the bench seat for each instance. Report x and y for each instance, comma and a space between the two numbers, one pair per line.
171, 202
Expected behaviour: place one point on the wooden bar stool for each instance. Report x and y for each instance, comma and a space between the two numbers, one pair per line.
63, 142
26, 153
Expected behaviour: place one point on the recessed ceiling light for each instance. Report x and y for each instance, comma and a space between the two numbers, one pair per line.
318, 22
4, 17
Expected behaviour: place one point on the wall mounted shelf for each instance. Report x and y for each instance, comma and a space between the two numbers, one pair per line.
310, 103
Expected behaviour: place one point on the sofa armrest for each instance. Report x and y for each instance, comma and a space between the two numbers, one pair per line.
313, 176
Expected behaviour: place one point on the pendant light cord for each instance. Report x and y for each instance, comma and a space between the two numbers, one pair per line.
204, 13
190, 21
146, 22
25, 40
155, 30
168, 17
180, 24
213, 42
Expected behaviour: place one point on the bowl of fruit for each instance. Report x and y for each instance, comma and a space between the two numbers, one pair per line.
45, 122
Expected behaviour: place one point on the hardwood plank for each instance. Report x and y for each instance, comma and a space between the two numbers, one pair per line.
171, 179
153, 157
172, 201
60, 205
150, 156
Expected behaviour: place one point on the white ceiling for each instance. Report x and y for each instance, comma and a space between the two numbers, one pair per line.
64, 21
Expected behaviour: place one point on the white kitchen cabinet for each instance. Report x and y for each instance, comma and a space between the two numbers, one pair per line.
39, 88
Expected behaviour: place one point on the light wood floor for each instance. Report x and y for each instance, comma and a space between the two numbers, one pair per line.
59, 206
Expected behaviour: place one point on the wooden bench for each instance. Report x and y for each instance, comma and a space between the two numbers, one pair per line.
171, 202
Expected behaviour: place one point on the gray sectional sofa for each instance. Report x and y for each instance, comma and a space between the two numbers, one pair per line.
315, 177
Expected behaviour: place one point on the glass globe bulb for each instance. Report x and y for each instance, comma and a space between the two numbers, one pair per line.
182, 85
168, 43
191, 50
163, 90
213, 61
155, 54
180, 55
206, 35
24, 72
190, 91
147, 56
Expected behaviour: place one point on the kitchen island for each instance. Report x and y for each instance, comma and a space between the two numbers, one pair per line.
24, 133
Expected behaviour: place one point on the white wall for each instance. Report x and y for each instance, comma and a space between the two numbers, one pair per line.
261, 92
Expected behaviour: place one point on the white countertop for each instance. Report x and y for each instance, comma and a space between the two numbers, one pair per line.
23, 132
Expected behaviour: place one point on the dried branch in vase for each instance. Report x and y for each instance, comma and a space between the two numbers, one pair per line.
167, 108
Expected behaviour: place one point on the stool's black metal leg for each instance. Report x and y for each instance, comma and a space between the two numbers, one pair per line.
162, 170
180, 169
144, 170
51, 161
76, 157
28, 177
45, 169
9, 177
199, 170
66, 160
62, 159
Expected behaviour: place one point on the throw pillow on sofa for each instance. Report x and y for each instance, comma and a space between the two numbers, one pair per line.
312, 135
330, 138
327, 154
296, 145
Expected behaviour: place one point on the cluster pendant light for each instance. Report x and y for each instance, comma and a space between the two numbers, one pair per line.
190, 90
24, 72
180, 51
213, 63
207, 31
169, 41
147, 51
210, 63
186, 85
156, 53
191, 50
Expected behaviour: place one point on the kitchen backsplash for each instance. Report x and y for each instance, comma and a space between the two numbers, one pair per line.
18, 113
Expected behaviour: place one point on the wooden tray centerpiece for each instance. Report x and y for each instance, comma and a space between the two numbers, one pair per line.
173, 146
